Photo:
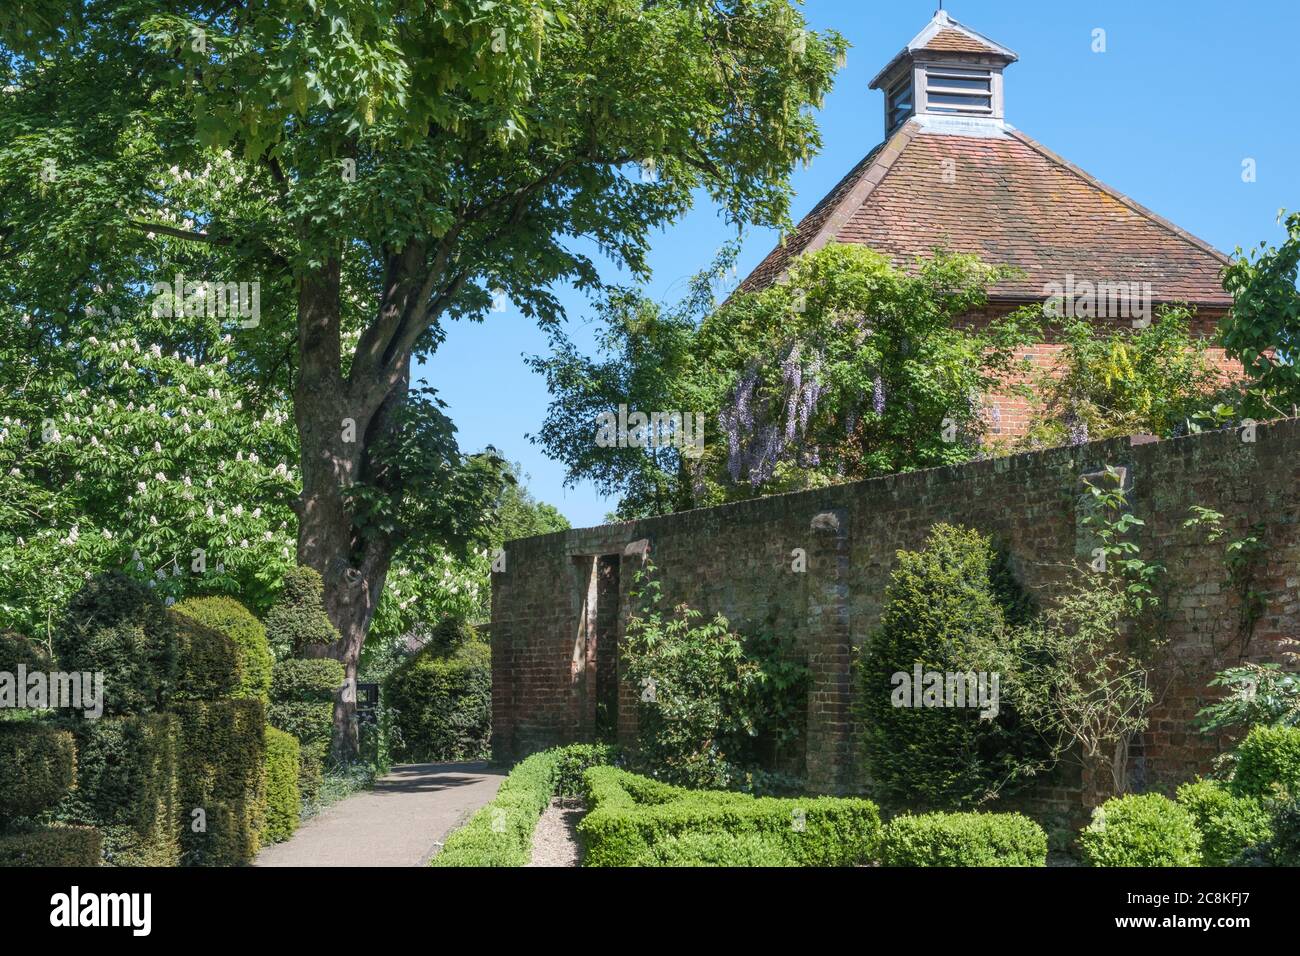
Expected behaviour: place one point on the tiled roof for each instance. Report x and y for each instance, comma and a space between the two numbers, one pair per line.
949, 40
1012, 202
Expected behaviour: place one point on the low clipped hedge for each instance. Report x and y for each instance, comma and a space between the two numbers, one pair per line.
1141, 830
501, 833
222, 756
439, 703
1268, 763
717, 849
631, 814
963, 839
283, 803
252, 652
1229, 825
127, 787
37, 767
207, 663
52, 846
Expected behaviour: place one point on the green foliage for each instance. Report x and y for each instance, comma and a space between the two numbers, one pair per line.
944, 606
221, 772
116, 625
963, 839
440, 701
1258, 694
1268, 763
708, 698
283, 803
717, 849
298, 618
1229, 825
51, 846
630, 815
245, 631
306, 679
207, 662
501, 833
16, 649
302, 694
37, 767
127, 787
1141, 830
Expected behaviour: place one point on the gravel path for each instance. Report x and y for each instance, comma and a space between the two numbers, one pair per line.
555, 841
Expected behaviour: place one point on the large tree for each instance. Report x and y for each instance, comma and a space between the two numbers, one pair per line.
380, 167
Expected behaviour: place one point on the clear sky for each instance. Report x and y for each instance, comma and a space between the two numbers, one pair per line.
1183, 94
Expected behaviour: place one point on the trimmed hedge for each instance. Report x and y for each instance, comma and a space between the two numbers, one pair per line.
1229, 825
717, 849
246, 632
222, 755
302, 694
298, 618
52, 846
1141, 830
501, 833
126, 787
631, 814
16, 649
963, 839
116, 625
313, 679
207, 665
440, 703
37, 767
1268, 763
283, 804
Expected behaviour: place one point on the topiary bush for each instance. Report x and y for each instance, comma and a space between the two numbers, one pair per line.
941, 603
52, 846
37, 767
315, 679
717, 849
1141, 830
298, 618
440, 703
252, 651
115, 625
1229, 824
283, 803
1268, 763
221, 766
963, 839
207, 663
16, 649
302, 704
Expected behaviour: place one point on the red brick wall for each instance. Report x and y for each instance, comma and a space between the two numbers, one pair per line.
736, 559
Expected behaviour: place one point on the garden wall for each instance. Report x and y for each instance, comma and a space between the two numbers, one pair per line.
553, 604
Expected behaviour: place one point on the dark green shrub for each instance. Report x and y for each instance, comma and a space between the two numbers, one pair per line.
37, 767
283, 804
16, 649
631, 814
501, 833
116, 625
222, 757
311, 770
1268, 763
298, 618
573, 761
1229, 825
1285, 845
314, 679
302, 694
126, 787
941, 604
717, 849
1141, 830
963, 839
440, 703
252, 652
207, 664
51, 846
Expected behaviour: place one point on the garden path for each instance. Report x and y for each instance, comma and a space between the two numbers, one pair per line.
401, 822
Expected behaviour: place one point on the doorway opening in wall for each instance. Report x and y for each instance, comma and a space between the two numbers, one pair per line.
595, 652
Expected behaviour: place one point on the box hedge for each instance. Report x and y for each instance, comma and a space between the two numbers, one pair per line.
1229, 825
252, 651
283, 803
631, 814
298, 618
1141, 830
963, 839
221, 774
439, 703
717, 849
1268, 763
52, 846
302, 704
310, 679
207, 663
501, 833
37, 767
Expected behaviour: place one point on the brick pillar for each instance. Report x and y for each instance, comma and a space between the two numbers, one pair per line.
830, 744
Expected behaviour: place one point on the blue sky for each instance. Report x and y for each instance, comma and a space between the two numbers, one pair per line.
1183, 94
